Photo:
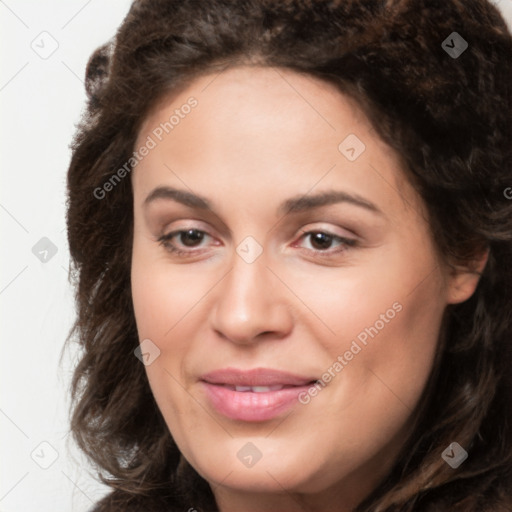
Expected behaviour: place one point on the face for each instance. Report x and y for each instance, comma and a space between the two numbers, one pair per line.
286, 285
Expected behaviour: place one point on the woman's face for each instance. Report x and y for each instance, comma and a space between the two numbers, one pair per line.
302, 254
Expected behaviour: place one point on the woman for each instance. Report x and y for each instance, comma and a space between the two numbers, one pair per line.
292, 238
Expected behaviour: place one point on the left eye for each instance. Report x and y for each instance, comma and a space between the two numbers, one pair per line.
321, 241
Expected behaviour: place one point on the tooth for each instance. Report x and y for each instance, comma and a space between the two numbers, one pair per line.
263, 389
243, 388
255, 389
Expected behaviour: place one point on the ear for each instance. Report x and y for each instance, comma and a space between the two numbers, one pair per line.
463, 279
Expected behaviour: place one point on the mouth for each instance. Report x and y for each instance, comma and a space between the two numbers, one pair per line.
253, 395
255, 389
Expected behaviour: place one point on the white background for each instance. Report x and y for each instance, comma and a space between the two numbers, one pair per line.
41, 99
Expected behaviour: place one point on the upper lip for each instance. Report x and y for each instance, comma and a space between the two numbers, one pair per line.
255, 377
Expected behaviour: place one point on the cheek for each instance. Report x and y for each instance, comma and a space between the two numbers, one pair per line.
384, 325
384, 301
162, 300
400, 357
404, 356
167, 299
159, 304
385, 367
163, 294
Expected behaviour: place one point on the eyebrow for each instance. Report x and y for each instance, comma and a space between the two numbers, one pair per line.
308, 202
180, 196
295, 204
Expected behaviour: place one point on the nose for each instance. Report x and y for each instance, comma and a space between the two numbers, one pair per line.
251, 304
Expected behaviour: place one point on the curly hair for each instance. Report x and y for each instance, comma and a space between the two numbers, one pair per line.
449, 119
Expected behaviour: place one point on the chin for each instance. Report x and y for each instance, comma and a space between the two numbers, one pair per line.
264, 477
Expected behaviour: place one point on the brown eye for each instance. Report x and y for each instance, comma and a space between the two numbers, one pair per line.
320, 241
178, 241
190, 237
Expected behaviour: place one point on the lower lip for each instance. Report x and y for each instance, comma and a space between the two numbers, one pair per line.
251, 406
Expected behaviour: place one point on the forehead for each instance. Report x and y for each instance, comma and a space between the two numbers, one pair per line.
258, 95
258, 127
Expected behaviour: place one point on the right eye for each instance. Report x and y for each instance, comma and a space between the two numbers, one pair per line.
187, 238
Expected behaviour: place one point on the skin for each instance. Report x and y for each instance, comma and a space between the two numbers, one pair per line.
257, 137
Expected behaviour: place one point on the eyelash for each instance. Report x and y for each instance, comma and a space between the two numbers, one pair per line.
165, 241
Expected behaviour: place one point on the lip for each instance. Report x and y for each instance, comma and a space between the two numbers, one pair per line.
250, 405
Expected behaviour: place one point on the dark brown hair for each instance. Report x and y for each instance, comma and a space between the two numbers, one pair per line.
449, 119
